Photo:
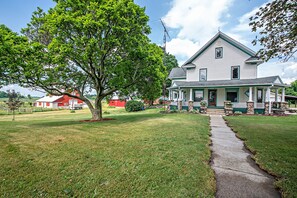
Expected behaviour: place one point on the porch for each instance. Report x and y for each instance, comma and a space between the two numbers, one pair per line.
246, 99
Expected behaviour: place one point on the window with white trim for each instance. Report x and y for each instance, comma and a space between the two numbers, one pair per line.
235, 72
203, 74
219, 52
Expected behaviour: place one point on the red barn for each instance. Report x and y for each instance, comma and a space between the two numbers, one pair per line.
58, 102
115, 101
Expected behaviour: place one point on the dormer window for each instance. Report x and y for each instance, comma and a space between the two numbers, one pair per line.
235, 72
219, 52
203, 74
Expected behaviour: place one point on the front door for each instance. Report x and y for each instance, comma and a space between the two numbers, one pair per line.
212, 98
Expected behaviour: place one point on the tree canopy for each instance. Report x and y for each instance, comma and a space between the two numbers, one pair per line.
276, 23
12, 47
169, 62
293, 89
90, 45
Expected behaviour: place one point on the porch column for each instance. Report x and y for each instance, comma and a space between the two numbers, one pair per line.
283, 94
250, 104
191, 94
250, 94
190, 103
180, 99
169, 95
255, 97
283, 104
268, 102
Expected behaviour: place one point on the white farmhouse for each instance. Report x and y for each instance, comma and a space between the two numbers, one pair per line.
224, 70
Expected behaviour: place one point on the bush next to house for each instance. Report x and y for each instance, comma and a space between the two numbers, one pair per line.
133, 105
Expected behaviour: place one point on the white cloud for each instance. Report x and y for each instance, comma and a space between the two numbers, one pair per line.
183, 48
286, 70
244, 20
196, 21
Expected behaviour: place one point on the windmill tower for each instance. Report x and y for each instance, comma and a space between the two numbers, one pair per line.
166, 34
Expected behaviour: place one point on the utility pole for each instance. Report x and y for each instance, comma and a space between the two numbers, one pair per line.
166, 34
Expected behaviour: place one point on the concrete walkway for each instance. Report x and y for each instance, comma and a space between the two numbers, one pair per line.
237, 174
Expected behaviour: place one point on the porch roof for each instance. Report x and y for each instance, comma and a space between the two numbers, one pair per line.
273, 81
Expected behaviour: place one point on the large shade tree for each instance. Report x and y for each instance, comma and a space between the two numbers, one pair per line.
12, 46
276, 23
83, 46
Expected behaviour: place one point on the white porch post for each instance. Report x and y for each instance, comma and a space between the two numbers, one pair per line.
180, 95
255, 96
276, 95
191, 94
283, 94
250, 94
268, 97
169, 95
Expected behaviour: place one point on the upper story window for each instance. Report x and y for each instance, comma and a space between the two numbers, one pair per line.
219, 52
235, 72
203, 74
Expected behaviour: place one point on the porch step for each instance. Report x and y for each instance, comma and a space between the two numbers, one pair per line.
215, 112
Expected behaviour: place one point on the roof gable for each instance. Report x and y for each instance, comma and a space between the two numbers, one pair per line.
226, 38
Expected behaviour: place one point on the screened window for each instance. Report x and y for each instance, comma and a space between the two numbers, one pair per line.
219, 52
203, 74
259, 95
235, 72
232, 95
198, 95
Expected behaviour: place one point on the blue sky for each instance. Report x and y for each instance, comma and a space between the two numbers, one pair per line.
190, 23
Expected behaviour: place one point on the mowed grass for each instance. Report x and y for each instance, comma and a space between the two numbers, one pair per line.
143, 154
274, 139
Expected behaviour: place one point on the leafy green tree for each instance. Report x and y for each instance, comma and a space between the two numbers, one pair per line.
169, 62
293, 89
3, 94
277, 26
13, 102
29, 97
12, 46
84, 45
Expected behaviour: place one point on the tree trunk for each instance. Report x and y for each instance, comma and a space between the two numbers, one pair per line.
97, 111
96, 114
151, 102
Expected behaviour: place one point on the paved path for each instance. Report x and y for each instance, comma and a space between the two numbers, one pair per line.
236, 173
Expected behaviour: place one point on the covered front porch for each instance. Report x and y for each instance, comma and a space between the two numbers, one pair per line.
250, 99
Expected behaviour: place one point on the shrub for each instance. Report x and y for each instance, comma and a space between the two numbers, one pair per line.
237, 113
106, 112
133, 105
72, 111
203, 103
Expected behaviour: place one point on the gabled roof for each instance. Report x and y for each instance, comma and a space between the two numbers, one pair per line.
177, 72
225, 38
265, 81
49, 99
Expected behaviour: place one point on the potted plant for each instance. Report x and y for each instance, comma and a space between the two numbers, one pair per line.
203, 106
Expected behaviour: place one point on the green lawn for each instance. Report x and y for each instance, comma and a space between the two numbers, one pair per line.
144, 154
274, 139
